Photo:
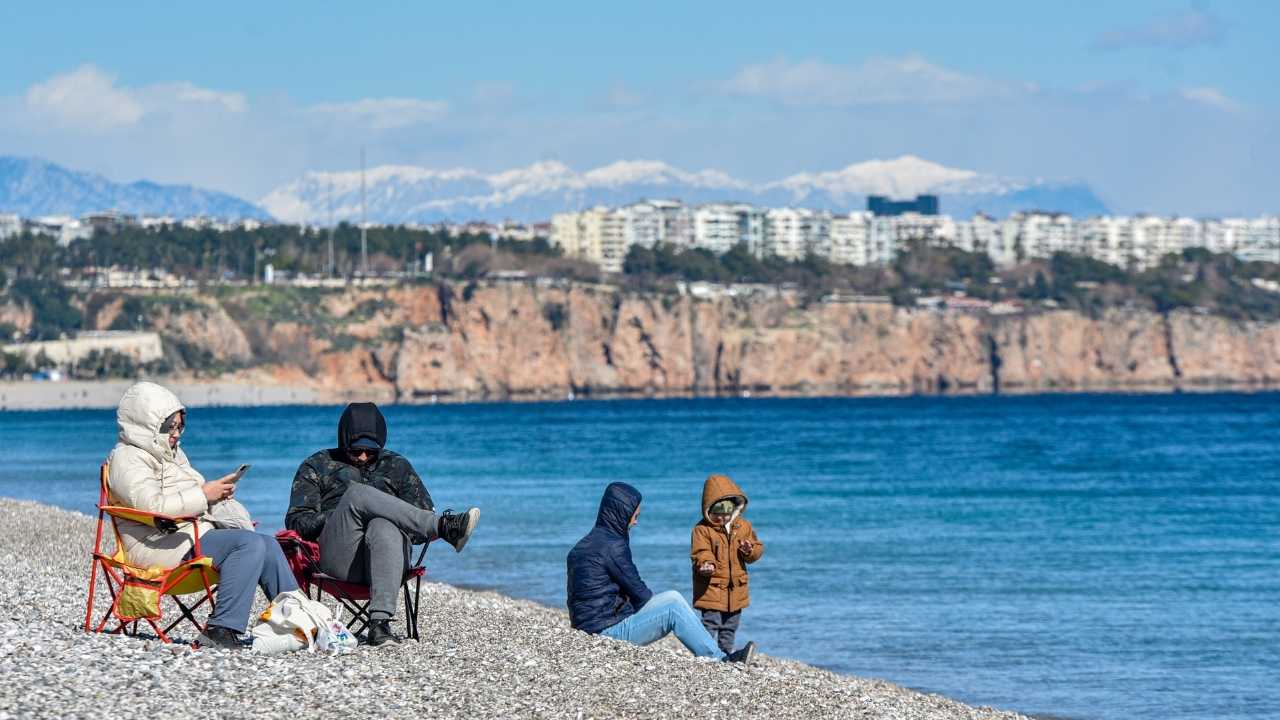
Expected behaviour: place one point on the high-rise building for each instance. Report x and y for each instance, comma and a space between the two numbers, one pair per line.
793, 233
719, 226
850, 236
882, 206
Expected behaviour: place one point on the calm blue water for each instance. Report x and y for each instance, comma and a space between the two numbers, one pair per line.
1086, 556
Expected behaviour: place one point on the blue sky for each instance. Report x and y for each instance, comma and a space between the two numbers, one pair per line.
1160, 106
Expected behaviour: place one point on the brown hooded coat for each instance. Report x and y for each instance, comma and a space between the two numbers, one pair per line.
727, 588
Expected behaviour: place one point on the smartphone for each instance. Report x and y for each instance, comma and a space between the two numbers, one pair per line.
239, 473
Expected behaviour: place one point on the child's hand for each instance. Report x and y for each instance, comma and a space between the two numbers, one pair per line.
706, 568
745, 546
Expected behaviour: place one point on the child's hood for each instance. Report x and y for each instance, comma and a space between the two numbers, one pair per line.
720, 487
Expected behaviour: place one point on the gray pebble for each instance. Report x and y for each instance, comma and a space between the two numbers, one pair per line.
482, 655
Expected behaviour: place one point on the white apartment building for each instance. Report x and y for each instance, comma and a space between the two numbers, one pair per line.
1041, 235
715, 227
1106, 238
791, 233
1261, 241
981, 234
677, 222
590, 235
612, 238
10, 225
719, 226
66, 229
850, 239
604, 236
566, 234
882, 241
651, 222
642, 224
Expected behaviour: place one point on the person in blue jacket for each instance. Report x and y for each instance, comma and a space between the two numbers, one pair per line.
606, 595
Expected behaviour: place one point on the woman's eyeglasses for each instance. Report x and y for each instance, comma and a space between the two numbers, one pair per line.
177, 420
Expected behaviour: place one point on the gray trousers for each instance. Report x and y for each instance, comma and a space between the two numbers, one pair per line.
366, 540
722, 626
245, 560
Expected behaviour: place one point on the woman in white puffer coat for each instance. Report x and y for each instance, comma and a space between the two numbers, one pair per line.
149, 471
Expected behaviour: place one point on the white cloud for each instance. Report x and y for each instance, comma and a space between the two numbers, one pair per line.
85, 98
1173, 31
89, 99
186, 92
494, 94
384, 113
1212, 97
620, 97
879, 80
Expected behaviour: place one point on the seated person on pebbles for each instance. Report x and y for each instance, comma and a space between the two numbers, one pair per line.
607, 596
366, 508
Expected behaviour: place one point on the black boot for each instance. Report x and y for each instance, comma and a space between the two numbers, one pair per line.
744, 655
456, 529
215, 636
379, 633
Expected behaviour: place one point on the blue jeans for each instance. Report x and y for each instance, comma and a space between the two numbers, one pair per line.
666, 613
245, 560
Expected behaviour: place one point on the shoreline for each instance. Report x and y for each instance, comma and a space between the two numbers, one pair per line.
487, 655
35, 395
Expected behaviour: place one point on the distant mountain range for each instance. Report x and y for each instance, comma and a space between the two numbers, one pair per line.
32, 187
398, 193
395, 193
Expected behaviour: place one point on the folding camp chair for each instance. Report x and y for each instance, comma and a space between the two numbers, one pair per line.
304, 559
136, 593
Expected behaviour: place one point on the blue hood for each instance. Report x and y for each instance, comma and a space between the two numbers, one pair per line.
618, 504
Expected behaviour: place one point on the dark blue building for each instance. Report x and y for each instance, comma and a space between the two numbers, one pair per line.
923, 204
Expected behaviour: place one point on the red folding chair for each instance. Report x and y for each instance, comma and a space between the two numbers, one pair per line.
304, 559
136, 592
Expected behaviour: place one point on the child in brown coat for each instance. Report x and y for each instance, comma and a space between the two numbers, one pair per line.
722, 545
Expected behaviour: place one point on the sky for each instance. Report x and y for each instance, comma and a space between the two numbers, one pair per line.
1164, 107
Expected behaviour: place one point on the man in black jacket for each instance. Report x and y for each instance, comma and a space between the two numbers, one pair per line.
366, 507
607, 596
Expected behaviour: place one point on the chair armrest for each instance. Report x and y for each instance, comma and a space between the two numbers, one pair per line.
144, 517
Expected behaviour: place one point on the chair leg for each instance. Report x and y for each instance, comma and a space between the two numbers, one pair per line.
359, 615
411, 608
187, 613
93, 583
155, 626
408, 611
110, 611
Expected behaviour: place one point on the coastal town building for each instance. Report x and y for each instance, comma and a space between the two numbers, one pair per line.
719, 226
850, 238
10, 225
880, 205
866, 238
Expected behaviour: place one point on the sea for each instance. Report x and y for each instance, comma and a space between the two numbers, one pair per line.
1074, 556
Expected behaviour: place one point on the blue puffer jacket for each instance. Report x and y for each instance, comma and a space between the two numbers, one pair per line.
604, 586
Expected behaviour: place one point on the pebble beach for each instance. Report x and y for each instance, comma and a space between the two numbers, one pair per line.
482, 655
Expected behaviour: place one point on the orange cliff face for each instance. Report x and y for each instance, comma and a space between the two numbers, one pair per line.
514, 340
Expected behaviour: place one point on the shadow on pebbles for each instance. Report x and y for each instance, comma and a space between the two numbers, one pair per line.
482, 655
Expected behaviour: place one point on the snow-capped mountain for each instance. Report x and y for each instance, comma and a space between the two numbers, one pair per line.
396, 194
32, 188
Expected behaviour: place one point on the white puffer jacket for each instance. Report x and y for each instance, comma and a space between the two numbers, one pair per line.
146, 474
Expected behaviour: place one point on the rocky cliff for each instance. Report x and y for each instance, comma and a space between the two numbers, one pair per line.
503, 340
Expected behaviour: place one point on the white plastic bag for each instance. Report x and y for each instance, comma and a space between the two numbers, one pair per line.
293, 622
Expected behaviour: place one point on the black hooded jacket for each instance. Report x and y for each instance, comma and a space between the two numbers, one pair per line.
604, 587
324, 477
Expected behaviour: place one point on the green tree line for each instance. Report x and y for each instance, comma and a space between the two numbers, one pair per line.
238, 253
